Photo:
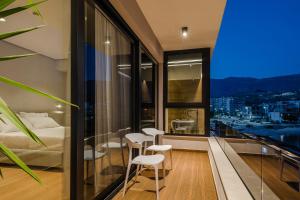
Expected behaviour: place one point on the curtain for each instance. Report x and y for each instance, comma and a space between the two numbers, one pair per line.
113, 84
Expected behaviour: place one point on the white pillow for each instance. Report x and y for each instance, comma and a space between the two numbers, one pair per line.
42, 122
7, 126
10, 127
26, 122
25, 114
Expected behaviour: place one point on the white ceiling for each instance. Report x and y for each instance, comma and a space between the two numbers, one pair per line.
53, 40
166, 17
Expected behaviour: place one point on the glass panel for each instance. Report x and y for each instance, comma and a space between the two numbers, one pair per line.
109, 111
49, 70
185, 78
147, 79
148, 91
246, 157
148, 118
185, 121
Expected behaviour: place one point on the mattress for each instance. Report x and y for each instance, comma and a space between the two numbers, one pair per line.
52, 137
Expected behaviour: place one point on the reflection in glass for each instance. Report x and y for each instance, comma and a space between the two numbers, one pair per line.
109, 103
185, 121
148, 92
148, 117
147, 79
185, 78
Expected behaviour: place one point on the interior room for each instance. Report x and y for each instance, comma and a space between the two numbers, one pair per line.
48, 70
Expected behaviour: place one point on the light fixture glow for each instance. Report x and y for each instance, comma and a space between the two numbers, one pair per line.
2, 19
58, 106
183, 64
185, 61
184, 32
107, 42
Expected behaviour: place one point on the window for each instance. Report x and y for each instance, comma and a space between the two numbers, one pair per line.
186, 91
185, 121
185, 78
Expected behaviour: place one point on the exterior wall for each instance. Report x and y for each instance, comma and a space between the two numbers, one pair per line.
131, 13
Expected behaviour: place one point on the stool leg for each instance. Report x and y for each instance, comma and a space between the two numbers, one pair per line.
164, 172
137, 172
171, 157
87, 169
126, 178
299, 176
281, 167
156, 181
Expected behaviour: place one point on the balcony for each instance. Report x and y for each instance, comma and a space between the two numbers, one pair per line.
192, 172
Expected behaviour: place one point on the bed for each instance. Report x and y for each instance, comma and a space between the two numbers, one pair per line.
51, 155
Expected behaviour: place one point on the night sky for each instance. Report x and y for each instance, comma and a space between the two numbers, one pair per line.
258, 38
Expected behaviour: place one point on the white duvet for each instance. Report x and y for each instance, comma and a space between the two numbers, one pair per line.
52, 137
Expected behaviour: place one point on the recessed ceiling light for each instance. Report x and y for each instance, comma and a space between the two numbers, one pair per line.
184, 32
2, 19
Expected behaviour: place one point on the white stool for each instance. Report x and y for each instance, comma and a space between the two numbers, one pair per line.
136, 140
158, 148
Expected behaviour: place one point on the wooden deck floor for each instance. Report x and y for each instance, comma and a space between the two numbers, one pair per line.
190, 179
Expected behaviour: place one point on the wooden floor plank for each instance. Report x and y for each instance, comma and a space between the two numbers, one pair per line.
190, 179
16, 185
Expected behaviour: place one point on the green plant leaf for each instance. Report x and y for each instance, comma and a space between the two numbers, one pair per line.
11, 34
2, 120
5, 58
13, 118
5, 3
12, 11
15, 159
35, 91
35, 10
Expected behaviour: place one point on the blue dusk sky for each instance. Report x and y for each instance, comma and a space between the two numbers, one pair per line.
258, 38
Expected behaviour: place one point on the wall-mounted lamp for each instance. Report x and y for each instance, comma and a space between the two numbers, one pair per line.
59, 109
184, 32
59, 106
107, 41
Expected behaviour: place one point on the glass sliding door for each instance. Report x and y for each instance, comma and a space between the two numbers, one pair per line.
48, 70
109, 102
186, 92
148, 72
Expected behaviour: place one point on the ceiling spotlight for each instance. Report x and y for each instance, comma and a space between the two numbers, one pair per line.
2, 19
184, 32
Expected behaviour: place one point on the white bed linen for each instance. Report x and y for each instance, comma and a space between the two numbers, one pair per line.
52, 137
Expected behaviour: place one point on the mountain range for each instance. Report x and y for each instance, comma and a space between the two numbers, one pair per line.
233, 86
